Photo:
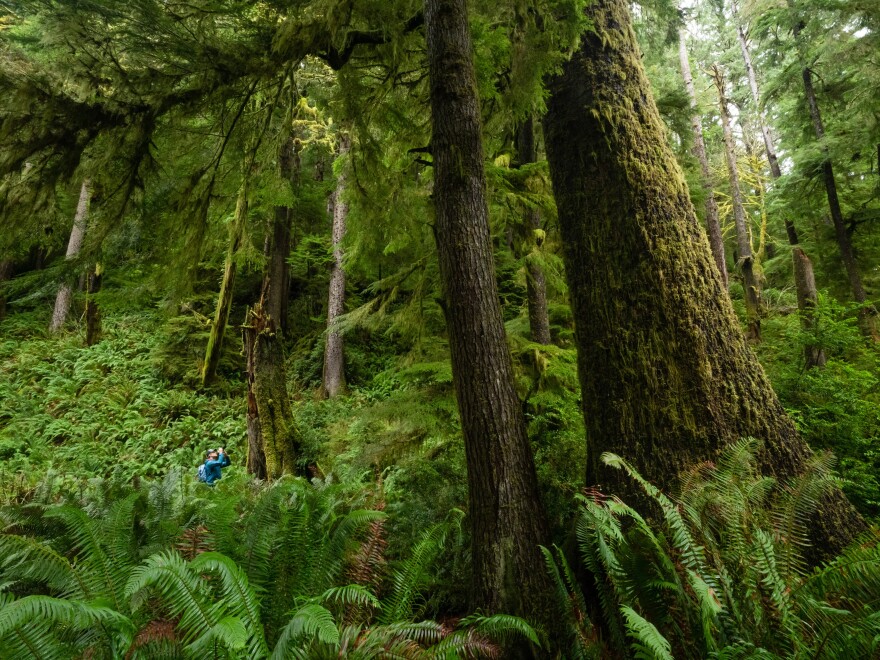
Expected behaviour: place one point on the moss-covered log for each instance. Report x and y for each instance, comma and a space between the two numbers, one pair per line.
667, 378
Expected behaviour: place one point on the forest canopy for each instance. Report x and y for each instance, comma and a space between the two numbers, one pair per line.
439, 328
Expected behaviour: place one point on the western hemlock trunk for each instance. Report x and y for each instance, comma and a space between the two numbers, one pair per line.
744, 258
267, 378
504, 504
536, 285
333, 381
256, 457
667, 378
805, 283
93, 313
224, 299
713, 225
74, 245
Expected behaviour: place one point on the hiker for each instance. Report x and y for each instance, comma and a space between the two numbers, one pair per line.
210, 470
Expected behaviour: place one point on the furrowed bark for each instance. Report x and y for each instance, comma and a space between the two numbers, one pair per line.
536, 285
805, 283
278, 294
333, 380
505, 512
74, 245
667, 378
7, 267
256, 457
224, 300
713, 225
745, 259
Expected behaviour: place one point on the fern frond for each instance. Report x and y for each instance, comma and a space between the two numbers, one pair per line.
648, 643
309, 622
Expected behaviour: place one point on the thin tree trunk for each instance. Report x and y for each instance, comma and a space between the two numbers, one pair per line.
868, 313
224, 300
505, 512
93, 312
256, 457
74, 245
333, 381
278, 295
267, 382
667, 379
536, 285
713, 225
805, 283
745, 259
7, 267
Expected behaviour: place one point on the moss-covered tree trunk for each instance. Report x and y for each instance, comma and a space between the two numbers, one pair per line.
224, 299
804, 281
93, 312
74, 245
536, 284
267, 380
505, 512
333, 379
745, 260
256, 456
666, 375
713, 225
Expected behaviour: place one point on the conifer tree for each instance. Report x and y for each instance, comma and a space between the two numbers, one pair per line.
667, 378
505, 511
74, 245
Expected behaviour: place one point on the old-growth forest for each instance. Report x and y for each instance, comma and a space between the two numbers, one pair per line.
531, 329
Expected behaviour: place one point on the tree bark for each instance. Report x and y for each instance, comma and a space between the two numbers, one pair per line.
667, 378
745, 259
278, 294
267, 381
7, 267
93, 312
868, 313
536, 285
256, 456
713, 225
74, 245
333, 381
805, 283
505, 512
224, 300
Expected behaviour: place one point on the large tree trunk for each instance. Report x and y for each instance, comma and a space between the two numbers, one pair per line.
745, 259
267, 383
805, 283
333, 381
74, 245
93, 312
667, 378
504, 504
868, 313
224, 300
536, 285
7, 267
713, 225
256, 457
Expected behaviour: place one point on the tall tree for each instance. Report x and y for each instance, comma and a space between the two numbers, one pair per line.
868, 312
667, 378
716, 240
745, 259
536, 284
804, 280
278, 269
505, 511
74, 245
333, 380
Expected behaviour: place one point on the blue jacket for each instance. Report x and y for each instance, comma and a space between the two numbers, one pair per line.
212, 468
